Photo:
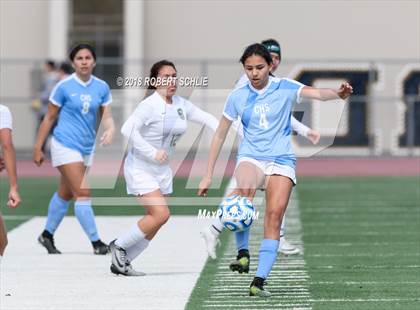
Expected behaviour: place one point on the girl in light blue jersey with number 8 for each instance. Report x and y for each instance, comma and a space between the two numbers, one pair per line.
265, 155
76, 102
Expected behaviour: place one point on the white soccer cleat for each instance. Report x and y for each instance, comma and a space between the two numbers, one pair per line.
286, 248
118, 258
129, 271
211, 242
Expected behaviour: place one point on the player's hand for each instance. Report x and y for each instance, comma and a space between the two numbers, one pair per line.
2, 165
107, 137
203, 187
345, 90
313, 136
38, 157
161, 156
14, 198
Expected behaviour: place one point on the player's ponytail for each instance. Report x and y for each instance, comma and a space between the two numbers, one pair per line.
154, 72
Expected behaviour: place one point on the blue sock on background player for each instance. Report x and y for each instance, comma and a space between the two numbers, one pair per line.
57, 209
242, 239
267, 258
84, 213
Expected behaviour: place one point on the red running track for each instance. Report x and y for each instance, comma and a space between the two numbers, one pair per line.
366, 166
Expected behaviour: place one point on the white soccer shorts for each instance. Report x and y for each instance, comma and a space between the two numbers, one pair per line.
61, 155
271, 168
144, 179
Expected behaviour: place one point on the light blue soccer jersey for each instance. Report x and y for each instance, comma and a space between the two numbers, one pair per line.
79, 104
265, 117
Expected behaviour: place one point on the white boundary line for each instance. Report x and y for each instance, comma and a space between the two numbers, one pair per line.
288, 281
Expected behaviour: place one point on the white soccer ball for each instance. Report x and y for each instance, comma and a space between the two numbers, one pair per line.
236, 213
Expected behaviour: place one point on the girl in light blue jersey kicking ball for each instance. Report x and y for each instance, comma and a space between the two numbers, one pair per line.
75, 102
265, 155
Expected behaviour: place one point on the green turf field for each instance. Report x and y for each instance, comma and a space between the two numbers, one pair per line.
36, 193
361, 240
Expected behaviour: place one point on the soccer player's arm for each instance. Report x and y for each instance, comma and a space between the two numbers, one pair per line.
57, 99
299, 127
2, 166
303, 130
108, 123
229, 115
195, 114
106, 118
9, 156
131, 127
324, 94
219, 138
43, 131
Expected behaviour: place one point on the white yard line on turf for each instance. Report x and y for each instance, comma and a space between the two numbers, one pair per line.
16, 217
172, 201
288, 281
77, 279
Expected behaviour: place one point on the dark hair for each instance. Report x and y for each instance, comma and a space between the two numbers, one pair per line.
272, 45
50, 63
154, 71
79, 47
256, 49
66, 68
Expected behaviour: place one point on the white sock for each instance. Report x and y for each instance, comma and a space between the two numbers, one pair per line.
133, 236
216, 227
135, 250
283, 227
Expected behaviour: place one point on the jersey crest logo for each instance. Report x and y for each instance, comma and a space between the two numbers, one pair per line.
181, 114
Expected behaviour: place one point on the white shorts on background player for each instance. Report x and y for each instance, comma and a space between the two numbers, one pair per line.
156, 125
62, 155
6, 120
143, 178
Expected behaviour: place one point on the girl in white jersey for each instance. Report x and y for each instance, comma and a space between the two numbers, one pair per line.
153, 130
9, 162
265, 155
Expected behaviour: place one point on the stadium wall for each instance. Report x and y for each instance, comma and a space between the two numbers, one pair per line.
376, 39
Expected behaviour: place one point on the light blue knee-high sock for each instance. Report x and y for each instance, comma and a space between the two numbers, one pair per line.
242, 239
84, 213
57, 209
267, 258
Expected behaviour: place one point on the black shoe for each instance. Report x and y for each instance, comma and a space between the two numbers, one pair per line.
47, 241
257, 288
241, 264
100, 248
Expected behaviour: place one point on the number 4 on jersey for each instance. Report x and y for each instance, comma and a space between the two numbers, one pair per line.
263, 121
